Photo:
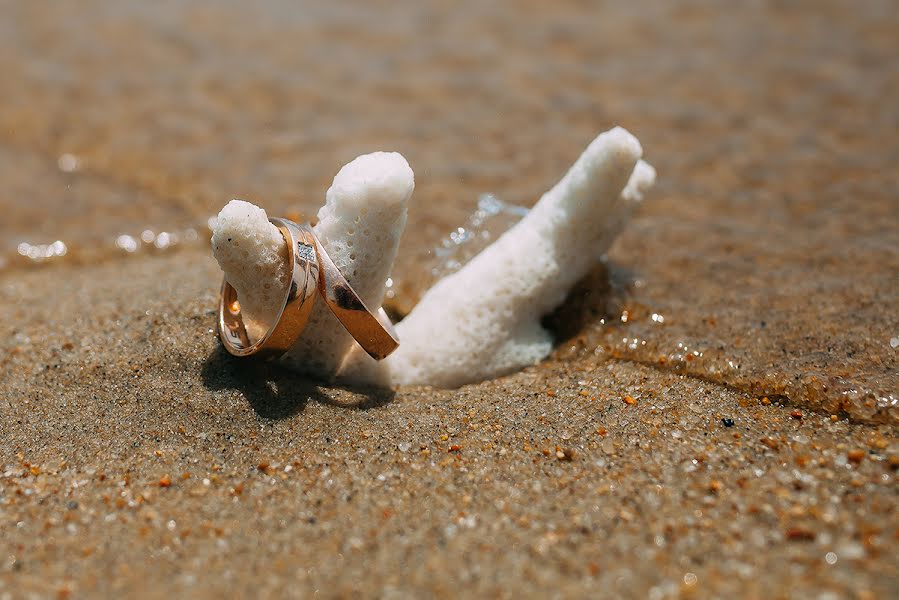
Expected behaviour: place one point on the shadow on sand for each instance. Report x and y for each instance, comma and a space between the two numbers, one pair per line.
599, 295
276, 393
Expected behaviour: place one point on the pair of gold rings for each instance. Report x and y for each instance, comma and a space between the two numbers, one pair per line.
312, 273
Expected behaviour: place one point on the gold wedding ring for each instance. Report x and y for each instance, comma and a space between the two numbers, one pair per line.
312, 270
302, 260
373, 331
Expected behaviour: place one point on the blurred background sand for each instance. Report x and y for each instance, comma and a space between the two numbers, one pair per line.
757, 285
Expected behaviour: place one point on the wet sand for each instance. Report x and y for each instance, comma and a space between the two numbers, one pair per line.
138, 458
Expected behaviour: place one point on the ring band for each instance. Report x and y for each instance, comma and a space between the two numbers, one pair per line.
302, 260
311, 270
372, 330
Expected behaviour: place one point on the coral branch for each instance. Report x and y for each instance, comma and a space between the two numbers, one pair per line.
484, 320
360, 227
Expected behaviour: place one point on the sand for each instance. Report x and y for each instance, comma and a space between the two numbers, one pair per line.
138, 458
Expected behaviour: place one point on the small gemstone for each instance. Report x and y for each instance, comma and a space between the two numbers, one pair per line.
305, 252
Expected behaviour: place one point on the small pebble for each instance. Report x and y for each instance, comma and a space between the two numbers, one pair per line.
856, 455
799, 534
565, 454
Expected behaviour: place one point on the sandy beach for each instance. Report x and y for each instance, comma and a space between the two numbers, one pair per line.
718, 419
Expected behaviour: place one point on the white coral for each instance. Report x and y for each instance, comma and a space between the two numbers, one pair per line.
480, 322
484, 320
251, 251
360, 227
